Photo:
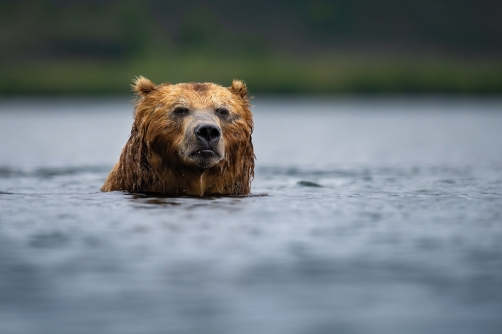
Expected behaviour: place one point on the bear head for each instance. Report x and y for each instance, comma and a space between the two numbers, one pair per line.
188, 138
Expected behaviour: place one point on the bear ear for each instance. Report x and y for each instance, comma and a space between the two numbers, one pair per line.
239, 88
142, 86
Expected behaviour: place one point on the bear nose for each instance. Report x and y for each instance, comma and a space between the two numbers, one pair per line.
208, 133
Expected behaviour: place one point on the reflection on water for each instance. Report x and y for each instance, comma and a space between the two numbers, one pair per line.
393, 236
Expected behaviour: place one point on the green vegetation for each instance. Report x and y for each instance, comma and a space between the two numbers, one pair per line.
298, 46
264, 74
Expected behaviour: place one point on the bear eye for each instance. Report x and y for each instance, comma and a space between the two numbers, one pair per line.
180, 111
222, 112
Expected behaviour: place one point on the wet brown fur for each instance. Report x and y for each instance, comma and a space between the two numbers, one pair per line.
151, 160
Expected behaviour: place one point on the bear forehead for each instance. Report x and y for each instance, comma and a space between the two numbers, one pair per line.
197, 94
195, 89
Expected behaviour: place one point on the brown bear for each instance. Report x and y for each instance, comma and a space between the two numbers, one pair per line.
187, 139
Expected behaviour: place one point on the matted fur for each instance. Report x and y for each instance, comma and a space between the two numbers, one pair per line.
152, 159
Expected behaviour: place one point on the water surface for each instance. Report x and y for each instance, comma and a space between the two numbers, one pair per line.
382, 216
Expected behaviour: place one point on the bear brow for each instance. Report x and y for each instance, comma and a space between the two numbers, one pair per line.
200, 87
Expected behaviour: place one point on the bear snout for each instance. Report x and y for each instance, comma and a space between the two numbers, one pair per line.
208, 134
204, 145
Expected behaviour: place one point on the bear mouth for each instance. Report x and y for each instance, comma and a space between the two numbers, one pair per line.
204, 158
204, 154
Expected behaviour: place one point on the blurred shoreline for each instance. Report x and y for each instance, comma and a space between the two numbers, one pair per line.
307, 47
269, 74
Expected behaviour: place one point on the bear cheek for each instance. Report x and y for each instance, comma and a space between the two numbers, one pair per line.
164, 141
234, 141
161, 146
238, 132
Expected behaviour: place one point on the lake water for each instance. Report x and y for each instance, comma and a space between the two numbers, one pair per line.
382, 216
